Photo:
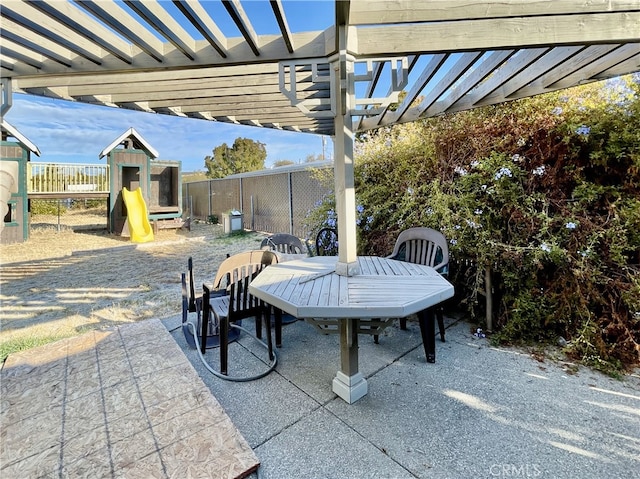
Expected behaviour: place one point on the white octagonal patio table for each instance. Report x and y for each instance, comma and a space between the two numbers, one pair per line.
385, 288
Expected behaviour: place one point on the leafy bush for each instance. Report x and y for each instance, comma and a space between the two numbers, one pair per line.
545, 191
47, 207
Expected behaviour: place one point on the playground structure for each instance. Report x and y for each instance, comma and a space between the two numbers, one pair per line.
15, 153
131, 164
8, 185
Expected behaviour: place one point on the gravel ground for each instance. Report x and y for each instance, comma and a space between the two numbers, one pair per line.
59, 284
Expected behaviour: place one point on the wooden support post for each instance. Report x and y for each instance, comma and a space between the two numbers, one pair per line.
349, 383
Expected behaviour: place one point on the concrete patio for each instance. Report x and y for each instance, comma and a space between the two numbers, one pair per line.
479, 411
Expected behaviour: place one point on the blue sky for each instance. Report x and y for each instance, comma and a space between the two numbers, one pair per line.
70, 132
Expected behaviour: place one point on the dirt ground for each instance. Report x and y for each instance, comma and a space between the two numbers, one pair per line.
63, 283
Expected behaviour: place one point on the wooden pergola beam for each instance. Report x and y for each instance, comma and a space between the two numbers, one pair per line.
499, 33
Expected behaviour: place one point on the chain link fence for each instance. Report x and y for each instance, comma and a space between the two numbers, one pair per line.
271, 201
67, 213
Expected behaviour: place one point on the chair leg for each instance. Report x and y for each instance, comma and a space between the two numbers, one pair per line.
259, 326
376, 338
278, 315
224, 345
403, 324
205, 323
428, 332
440, 323
185, 300
267, 319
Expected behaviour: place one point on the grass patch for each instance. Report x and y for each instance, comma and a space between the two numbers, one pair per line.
22, 344
230, 238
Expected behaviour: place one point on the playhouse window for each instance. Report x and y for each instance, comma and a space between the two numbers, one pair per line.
10, 217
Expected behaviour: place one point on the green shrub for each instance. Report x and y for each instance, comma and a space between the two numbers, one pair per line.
47, 207
545, 191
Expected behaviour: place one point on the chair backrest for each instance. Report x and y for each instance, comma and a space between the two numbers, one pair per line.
283, 243
422, 246
242, 265
236, 273
327, 242
241, 303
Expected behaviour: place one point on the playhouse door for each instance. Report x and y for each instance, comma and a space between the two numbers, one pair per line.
130, 179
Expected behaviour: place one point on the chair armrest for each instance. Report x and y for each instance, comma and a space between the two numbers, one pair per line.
216, 293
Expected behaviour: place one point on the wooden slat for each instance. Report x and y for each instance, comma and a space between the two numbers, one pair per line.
36, 28
241, 20
568, 67
184, 94
499, 77
78, 22
389, 289
278, 11
551, 60
600, 64
427, 74
465, 62
227, 85
100, 52
128, 77
200, 19
483, 68
20, 53
596, 65
165, 24
122, 22
374, 12
480, 34
621, 68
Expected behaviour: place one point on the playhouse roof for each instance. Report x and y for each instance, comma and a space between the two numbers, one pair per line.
23, 140
139, 143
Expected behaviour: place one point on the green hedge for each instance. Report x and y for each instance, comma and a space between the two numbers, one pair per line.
545, 190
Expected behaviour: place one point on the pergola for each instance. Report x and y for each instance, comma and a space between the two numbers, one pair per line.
446, 55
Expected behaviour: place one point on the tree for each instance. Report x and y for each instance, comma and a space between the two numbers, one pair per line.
245, 155
310, 158
279, 163
193, 176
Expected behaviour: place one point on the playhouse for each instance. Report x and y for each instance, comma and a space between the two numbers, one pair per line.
15, 153
133, 164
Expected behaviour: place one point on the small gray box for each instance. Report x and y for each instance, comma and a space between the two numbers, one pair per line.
232, 221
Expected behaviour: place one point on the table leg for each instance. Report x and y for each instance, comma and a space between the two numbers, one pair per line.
428, 331
349, 383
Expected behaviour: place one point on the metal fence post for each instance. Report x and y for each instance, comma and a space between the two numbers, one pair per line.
290, 187
253, 217
209, 203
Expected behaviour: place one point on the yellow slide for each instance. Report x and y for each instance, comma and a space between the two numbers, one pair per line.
137, 216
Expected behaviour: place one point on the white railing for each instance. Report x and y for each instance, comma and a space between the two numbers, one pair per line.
67, 177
